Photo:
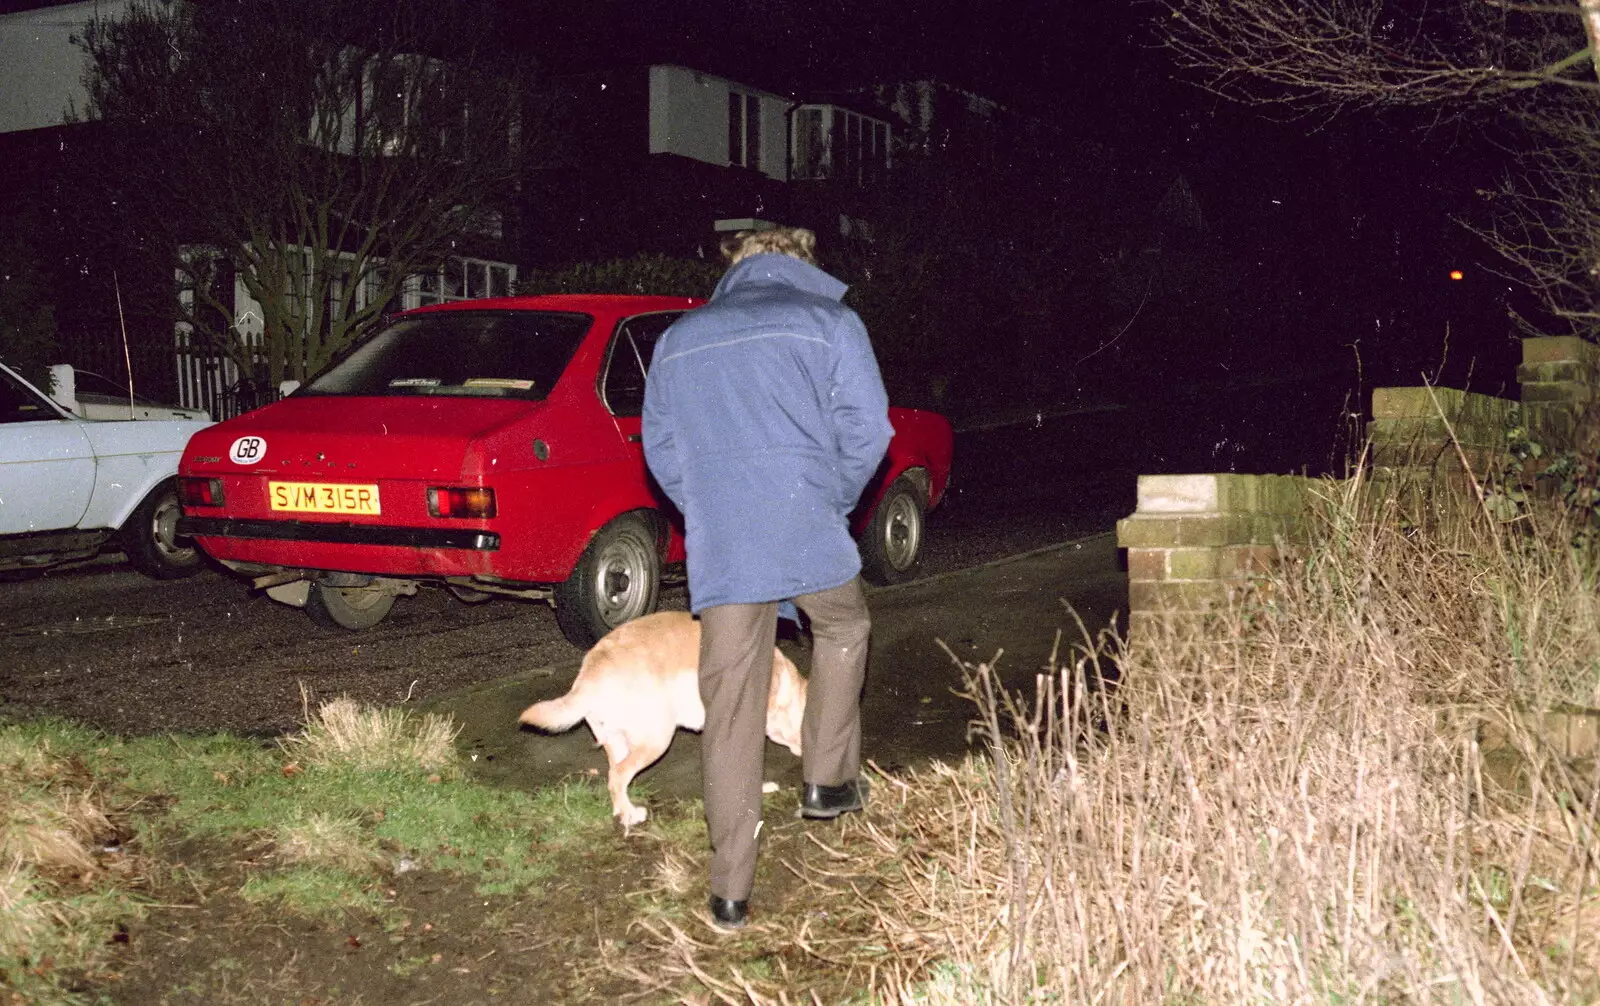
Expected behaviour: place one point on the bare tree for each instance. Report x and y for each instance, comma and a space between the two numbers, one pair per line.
318, 154
1321, 53
1524, 63
1546, 223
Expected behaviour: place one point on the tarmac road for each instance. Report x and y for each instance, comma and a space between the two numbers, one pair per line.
101, 644
1011, 609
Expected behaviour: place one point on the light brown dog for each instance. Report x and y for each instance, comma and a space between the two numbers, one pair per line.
639, 684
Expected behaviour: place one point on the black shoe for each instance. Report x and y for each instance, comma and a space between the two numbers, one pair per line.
729, 914
826, 802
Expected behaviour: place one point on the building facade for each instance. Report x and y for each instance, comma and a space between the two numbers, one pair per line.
650, 159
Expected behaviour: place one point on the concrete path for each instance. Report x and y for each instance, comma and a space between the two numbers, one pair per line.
910, 712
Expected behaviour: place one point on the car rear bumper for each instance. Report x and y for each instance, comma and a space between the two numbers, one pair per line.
339, 534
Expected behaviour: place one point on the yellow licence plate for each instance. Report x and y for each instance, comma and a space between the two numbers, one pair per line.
323, 497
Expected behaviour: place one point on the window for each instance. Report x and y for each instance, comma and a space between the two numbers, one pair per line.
401, 110
464, 279
744, 130
622, 387
878, 158
20, 405
844, 161
422, 107
831, 142
810, 147
388, 103
477, 354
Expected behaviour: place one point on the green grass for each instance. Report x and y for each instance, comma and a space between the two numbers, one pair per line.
220, 787
315, 836
315, 891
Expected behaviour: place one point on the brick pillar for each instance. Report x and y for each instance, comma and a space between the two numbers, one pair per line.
1557, 377
1196, 539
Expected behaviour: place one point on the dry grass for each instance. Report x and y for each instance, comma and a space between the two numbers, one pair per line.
1292, 803
343, 732
50, 813
53, 832
328, 840
24, 914
59, 855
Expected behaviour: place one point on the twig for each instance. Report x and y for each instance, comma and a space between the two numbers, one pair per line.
1107, 345
1477, 488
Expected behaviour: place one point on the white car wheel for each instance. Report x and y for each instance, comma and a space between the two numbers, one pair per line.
150, 537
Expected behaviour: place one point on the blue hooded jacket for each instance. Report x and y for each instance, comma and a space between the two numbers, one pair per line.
764, 419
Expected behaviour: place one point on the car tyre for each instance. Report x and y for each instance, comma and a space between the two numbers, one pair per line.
150, 538
352, 608
617, 579
891, 543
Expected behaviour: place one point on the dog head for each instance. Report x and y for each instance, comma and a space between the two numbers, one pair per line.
786, 703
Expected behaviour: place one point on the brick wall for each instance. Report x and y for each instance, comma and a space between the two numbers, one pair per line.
1195, 540
1411, 430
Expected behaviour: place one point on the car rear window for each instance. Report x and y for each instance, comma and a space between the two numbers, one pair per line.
18, 404
477, 354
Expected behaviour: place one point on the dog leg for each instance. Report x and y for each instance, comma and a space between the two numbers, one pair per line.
630, 754
623, 767
641, 756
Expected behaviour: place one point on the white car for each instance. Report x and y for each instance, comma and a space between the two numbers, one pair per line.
94, 396
70, 487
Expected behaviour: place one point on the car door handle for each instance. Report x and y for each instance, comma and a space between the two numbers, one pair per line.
634, 438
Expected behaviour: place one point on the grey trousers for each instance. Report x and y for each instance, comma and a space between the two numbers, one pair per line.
736, 643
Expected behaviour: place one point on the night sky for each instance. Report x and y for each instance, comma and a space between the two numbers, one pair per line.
1362, 206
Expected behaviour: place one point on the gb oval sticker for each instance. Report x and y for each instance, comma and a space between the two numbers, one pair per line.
248, 451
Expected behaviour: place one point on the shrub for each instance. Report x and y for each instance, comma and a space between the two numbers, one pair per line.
643, 274
1326, 794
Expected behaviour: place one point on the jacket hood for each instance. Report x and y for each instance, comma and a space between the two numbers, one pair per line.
785, 269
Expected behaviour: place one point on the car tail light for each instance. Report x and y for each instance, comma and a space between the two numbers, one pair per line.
477, 504
200, 492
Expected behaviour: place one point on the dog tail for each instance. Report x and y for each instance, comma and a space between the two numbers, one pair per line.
556, 715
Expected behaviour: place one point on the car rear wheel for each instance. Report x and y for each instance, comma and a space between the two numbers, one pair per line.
348, 607
617, 580
150, 537
892, 540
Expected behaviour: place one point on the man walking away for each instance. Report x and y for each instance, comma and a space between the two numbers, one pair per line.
764, 418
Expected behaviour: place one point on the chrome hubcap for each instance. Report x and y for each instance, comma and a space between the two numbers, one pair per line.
164, 529
902, 532
622, 582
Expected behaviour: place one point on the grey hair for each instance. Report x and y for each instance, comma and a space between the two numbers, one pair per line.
796, 242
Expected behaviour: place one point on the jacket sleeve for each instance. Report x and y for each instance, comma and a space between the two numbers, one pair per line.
660, 452
860, 409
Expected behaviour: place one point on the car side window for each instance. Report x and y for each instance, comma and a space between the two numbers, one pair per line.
634, 343
18, 404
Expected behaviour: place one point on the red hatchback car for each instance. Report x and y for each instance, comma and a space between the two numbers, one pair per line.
491, 447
